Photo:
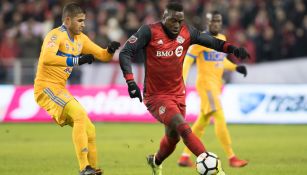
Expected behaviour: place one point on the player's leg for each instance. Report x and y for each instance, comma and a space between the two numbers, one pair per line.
222, 132
189, 138
167, 146
198, 129
223, 135
64, 109
170, 110
172, 118
77, 114
92, 148
178, 126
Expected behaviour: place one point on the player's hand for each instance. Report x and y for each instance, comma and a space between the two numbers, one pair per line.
242, 70
134, 90
88, 58
113, 46
241, 53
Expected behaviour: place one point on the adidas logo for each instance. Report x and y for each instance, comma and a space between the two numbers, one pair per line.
160, 42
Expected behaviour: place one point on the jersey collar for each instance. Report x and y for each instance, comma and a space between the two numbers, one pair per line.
65, 28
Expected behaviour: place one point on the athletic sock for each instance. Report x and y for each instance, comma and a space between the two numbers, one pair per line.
198, 129
167, 146
92, 148
79, 135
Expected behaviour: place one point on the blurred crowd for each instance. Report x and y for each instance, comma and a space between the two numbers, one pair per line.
270, 30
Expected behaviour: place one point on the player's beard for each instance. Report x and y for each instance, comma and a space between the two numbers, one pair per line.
169, 33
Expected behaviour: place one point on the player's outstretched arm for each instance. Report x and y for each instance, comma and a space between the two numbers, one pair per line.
206, 40
89, 47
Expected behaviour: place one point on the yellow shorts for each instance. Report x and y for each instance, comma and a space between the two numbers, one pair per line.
53, 100
209, 100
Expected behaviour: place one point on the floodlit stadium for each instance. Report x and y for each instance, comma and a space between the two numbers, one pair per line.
263, 99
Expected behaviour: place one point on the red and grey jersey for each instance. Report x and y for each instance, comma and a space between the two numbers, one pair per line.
164, 56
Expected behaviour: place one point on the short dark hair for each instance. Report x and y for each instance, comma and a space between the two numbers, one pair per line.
215, 12
72, 9
176, 6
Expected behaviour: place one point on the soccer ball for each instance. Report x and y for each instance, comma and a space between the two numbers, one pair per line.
207, 164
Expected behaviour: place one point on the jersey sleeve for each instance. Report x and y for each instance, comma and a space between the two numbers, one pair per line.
189, 59
50, 48
206, 40
135, 43
89, 47
228, 65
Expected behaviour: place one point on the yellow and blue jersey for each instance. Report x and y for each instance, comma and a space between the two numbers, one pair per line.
58, 45
210, 65
53, 70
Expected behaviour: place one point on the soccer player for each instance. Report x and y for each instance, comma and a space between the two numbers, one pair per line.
64, 48
165, 44
210, 68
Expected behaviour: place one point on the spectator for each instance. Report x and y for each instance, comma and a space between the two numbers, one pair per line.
2, 73
275, 30
9, 49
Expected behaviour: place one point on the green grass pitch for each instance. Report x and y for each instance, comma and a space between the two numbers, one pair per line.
36, 149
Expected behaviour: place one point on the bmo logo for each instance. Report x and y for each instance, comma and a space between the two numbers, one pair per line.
178, 52
164, 53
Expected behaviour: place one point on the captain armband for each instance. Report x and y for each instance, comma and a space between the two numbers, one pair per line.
72, 61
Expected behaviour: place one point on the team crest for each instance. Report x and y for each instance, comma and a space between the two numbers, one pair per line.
162, 110
51, 43
179, 51
180, 39
132, 39
53, 38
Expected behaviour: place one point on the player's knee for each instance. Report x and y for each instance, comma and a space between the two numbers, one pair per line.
175, 121
184, 129
79, 115
79, 119
172, 133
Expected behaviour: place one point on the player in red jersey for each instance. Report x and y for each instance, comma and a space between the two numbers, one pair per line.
164, 45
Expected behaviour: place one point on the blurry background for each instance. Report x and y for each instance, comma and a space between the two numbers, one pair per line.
272, 31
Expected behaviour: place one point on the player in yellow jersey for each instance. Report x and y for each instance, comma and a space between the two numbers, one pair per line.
210, 68
63, 48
